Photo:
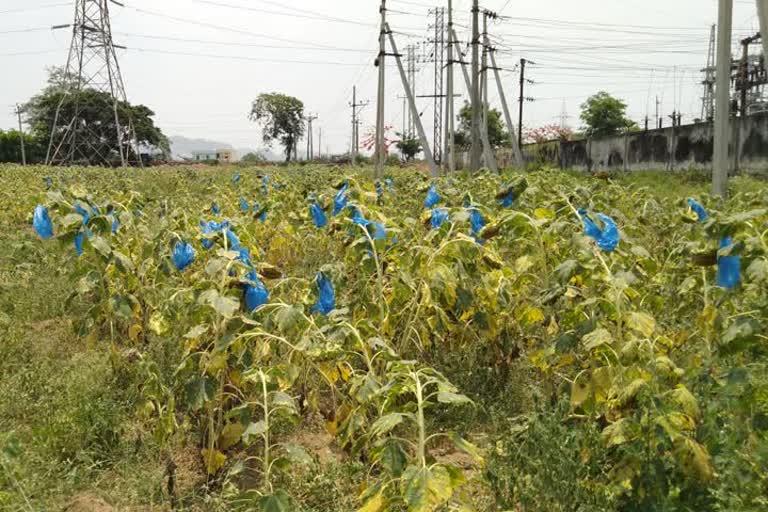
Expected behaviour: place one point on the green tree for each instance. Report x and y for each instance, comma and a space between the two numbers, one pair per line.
498, 136
10, 147
253, 158
281, 118
97, 127
604, 115
409, 146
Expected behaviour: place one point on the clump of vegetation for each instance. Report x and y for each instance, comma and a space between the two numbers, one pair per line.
203, 340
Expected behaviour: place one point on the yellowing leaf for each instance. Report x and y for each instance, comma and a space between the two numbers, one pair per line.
597, 338
544, 213
696, 460
230, 435
618, 433
686, 400
531, 316
374, 504
213, 460
134, 332
158, 324
580, 391
643, 323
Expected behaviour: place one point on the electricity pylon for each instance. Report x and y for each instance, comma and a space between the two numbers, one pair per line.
92, 124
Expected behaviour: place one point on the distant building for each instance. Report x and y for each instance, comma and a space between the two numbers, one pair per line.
226, 156
204, 156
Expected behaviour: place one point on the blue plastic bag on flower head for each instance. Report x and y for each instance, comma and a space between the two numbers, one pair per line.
41, 221
236, 178
232, 238
379, 230
607, 238
326, 301
85, 213
318, 215
265, 184
79, 239
390, 185
341, 200
244, 254
215, 209
183, 255
244, 206
728, 267
698, 209
115, 224
439, 217
432, 197
256, 294
379, 190
48, 181
508, 201
477, 222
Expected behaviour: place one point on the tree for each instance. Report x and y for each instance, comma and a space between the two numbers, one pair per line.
97, 128
548, 133
409, 146
281, 118
497, 136
253, 158
605, 115
10, 147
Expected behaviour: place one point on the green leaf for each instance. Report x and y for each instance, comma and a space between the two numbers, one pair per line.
253, 430
445, 397
619, 433
427, 488
386, 423
101, 246
393, 458
200, 391
643, 323
597, 338
758, 271
278, 502
225, 306
467, 447
297, 454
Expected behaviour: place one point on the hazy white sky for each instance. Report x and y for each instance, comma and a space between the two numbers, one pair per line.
199, 63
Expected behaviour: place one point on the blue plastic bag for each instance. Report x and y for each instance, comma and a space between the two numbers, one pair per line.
608, 238
215, 209
341, 199
85, 213
432, 197
256, 294
236, 178
265, 184
439, 217
698, 209
244, 206
390, 184
183, 255
232, 238
728, 267
326, 301
508, 201
115, 224
79, 239
48, 181
318, 215
41, 221
208, 243
379, 230
477, 222
379, 190
244, 254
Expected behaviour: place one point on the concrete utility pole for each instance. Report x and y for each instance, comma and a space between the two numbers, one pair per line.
722, 99
412, 102
484, 78
762, 14
523, 62
474, 160
356, 123
21, 136
516, 152
310, 138
487, 150
381, 63
449, 164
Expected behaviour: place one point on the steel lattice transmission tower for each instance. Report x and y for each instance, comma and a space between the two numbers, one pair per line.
438, 55
708, 100
93, 86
